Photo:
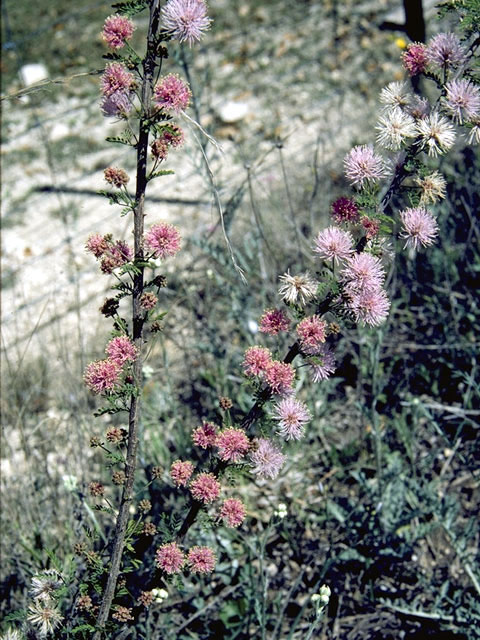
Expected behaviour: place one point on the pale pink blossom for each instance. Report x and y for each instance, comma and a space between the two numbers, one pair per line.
121, 350
333, 244
186, 20
232, 444
170, 558
205, 436
444, 50
419, 227
181, 472
292, 416
322, 364
233, 512
273, 321
370, 307
363, 166
205, 487
97, 244
116, 77
311, 331
102, 375
363, 272
201, 560
462, 100
172, 93
266, 458
117, 30
280, 377
163, 240
256, 361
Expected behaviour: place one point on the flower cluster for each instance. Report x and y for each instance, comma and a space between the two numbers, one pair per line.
363, 276
163, 240
172, 94
111, 254
171, 559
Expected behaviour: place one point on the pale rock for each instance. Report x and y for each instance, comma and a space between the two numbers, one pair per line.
231, 112
33, 73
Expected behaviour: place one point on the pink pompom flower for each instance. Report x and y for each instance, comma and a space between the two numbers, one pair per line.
419, 227
280, 377
163, 240
233, 512
102, 375
117, 30
181, 472
363, 166
186, 20
121, 350
322, 364
266, 458
414, 58
273, 321
256, 361
232, 444
116, 77
333, 244
311, 331
292, 416
117, 104
344, 210
205, 436
363, 272
370, 307
97, 244
118, 254
201, 560
172, 94
205, 488
170, 558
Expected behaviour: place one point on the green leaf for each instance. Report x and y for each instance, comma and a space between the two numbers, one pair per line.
130, 7
126, 138
163, 172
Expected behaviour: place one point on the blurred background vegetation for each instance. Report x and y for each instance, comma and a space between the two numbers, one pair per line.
382, 495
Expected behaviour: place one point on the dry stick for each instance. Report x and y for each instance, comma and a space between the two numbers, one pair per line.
266, 393
137, 318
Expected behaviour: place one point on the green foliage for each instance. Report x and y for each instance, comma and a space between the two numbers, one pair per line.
130, 8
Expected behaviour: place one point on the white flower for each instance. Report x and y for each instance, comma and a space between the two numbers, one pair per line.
395, 94
393, 129
437, 134
297, 289
43, 584
433, 186
45, 616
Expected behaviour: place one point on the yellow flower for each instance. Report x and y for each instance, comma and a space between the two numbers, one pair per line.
401, 43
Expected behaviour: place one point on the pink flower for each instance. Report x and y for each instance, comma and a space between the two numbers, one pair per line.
116, 77
170, 558
292, 416
116, 177
462, 100
102, 375
333, 244
370, 307
322, 363
148, 300
344, 210
232, 444
172, 94
363, 272
97, 244
445, 49
419, 227
256, 361
180, 472
205, 487
118, 104
363, 165
266, 458
371, 227
233, 512
163, 240
121, 350
116, 30
280, 376
205, 436
116, 256
415, 58
273, 321
201, 559
311, 331
186, 20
